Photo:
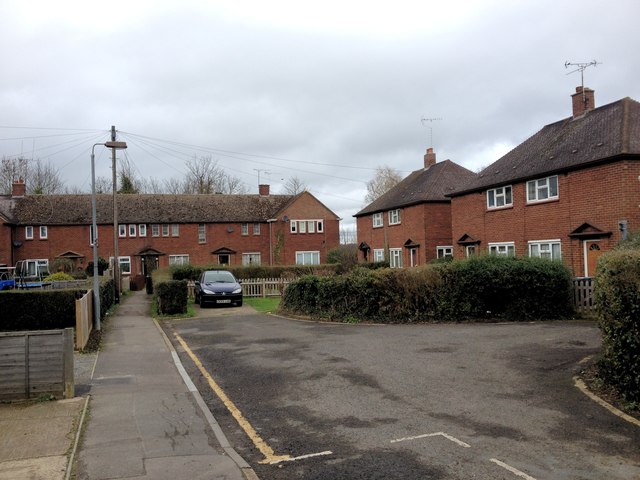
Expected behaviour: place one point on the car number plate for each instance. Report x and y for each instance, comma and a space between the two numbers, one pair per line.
223, 301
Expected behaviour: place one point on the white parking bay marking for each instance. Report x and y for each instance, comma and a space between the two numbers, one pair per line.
436, 434
301, 457
515, 471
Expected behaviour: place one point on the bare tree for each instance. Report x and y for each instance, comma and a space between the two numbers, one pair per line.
39, 177
173, 186
293, 186
206, 177
104, 185
384, 180
128, 180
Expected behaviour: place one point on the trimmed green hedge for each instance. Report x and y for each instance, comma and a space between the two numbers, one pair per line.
172, 297
617, 296
192, 272
38, 309
481, 287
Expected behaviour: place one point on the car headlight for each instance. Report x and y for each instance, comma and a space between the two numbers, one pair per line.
237, 290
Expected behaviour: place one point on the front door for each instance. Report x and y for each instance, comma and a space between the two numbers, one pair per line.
592, 253
413, 254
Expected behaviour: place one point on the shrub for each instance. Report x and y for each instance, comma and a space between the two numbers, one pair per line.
59, 277
617, 297
172, 297
192, 272
495, 287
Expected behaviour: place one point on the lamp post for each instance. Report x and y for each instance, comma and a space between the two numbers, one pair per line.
94, 227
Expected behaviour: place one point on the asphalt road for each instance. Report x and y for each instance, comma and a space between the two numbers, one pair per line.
454, 401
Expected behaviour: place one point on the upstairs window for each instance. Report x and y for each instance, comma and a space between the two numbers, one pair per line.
142, 230
28, 232
542, 189
499, 197
165, 230
122, 231
44, 232
132, 230
175, 230
202, 233
377, 220
155, 230
244, 229
256, 229
394, 217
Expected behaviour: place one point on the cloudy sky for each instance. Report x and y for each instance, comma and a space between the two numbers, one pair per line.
323, 91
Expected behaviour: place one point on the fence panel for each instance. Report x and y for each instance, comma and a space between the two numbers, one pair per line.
84, 319
264, 287
583, 294
36, 362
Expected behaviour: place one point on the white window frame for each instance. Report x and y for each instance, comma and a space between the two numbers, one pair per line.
444, 251
302, 226
378, 254
142, 230
470, 250
544, 249
179, 259
122, 230
43, 232
165, 229
394, 217
252, 258
175, 229
319, 226
36, 266
502, 249
499, 197
125, 265
244, 229
395, 257
308, 258
132, 230
202, 233
377, 220
537, 189
293, 226
28, 232
256, 229
155, 230
311, 226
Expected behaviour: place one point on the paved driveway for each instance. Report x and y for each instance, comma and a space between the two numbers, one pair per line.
467, 401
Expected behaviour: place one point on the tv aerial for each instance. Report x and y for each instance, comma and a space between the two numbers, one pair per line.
424, 121
581, 67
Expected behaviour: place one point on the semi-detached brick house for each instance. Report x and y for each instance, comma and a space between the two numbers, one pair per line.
570, 192
199, 229
411, 223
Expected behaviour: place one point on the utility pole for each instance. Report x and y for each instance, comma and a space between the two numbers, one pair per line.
116, 258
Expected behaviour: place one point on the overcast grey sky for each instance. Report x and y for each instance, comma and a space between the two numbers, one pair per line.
325, 91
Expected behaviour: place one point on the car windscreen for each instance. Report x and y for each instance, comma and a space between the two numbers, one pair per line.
218, 277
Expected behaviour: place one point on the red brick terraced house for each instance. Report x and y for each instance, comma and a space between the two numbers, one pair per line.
167, 229
410, 224
569, 192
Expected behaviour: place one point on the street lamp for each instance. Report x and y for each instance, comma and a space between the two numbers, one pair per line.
94, 227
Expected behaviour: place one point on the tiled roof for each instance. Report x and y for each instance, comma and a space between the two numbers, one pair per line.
76, 209
432, 184
601, 134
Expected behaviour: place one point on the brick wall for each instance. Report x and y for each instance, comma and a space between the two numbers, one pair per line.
600, 196
425, 224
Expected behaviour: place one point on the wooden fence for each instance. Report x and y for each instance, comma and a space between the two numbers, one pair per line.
583, 294
256, 287
36, 363
84, 319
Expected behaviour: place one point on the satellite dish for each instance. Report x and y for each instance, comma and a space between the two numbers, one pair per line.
230, 229
285, 218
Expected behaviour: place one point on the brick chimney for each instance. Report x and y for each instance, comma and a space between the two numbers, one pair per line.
263, 190
583, 101
18, 188
429, 158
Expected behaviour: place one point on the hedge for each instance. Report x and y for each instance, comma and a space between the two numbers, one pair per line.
617, 297
172, 297
482, 287
192, 272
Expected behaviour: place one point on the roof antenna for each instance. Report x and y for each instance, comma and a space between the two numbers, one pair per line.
581, 68
424, 121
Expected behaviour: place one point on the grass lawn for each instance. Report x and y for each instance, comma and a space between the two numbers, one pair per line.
263, 305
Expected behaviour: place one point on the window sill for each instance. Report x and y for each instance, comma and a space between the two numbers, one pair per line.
498, 209
546, 200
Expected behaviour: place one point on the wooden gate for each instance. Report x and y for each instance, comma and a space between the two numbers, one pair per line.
583, 294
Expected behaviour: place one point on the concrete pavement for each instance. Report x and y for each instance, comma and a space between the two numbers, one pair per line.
146, 420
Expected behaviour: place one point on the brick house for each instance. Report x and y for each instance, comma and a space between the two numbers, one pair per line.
168, 229
411, 223
570, 192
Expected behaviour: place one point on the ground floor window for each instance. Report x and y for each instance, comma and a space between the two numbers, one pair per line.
251, 259
444, 252
395, 257
182, 259
36, 268
549, 249
378, 254
503, 249
125, 265
470, 250
307, 258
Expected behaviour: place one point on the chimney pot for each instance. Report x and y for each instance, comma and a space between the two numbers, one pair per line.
263, 190
18, 188
582, 101
429, 158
